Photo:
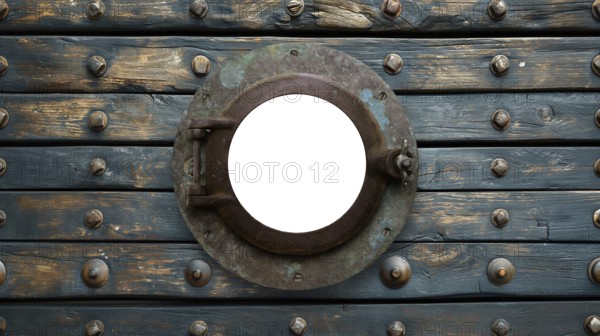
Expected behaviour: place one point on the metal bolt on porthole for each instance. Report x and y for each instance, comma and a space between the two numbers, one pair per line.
3, 66
201, 65
98, 121
198, 273
500, 218
294, 7
393, 64
501, 119
95, 10
500, 327
395, 272
396, 329
95, 273
97, 166
97, 65
298, 326
500, 271
499, 167
499, 65
94, 328
391, 8
198, 9
198, 328
4, 9
497, 9
94, 218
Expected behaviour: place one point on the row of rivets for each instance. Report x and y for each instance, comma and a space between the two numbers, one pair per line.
97, 65
97, 120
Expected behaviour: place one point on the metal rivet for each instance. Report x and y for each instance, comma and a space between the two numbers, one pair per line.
500, 271
97, 65
597, 167
391, 8
499, 65
501, 119
499, 167
596, 218
198, 9
497, 9
94, 273
94, 218
97, 121
198, 328
594, 271
3, 167
198, 273
3, 66
2, 325
395, 272
396, 329
592, 325
596, 65
500, 327
500, 218
95, 10
4, 117
393, 64
597, 118
97, 166
298, 326
94, 328
201, 65
2, 218
4, 9
294, 7
2, 273
596, 9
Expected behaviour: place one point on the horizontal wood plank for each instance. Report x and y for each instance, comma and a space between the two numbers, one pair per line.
439, 270
426, 16
163, 64
435, 216
524, 318
142, 118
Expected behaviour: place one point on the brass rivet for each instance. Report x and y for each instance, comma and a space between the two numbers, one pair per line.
3, 66
500, 327
596, 65
597, 167
2, 218
201, 65
298, 326
97, 166
499, 167
393, 64
94, 328
198, 273
3, 167
391, 8
2, 273
597, 118
500, 271
4, 117
198, 328
501, 119
497, 9
94, 273
500, 218
396, 329
592, 325
395, 272
94, 218
2, 325
294, 7
596, 9
97, 65
4, 9
97, 121
499, 65
594, 271
95, 9
198, 9
596, 218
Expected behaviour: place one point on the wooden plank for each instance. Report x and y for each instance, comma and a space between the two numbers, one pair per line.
525, 318
163, 64
141, 118
439, 270
436, 216
427, 16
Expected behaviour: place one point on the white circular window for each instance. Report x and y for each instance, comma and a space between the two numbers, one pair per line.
297, 163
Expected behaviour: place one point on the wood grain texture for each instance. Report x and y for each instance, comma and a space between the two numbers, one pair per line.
439, 270
465, 319
435, 216
163, 64
153, 119
427, 16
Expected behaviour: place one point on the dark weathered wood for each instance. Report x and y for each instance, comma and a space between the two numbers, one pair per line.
464, 319
539, 117
435, 216
448, 270
163, 64
426, 16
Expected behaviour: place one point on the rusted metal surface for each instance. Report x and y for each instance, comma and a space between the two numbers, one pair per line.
500, 327
500, 65
94, 328
500, 218
95, 273
198, 273
396, 329
198, 328
594, 271
97, 166
500, 167
4, 117
500, 271
298, 326
497, 9
395, 272
98, 121
501, 119
97, 65
94, 218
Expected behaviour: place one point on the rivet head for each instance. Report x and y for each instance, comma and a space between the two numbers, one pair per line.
500, 218
596, 218
499, 167
391, 8
94, 218
97, 166
2, 273
198, 273
97, 121
396, 329
201, 65
4, 117
592, 325
597, 167
94, 273
97, 65
294, 7
500, 271
198, 9
497, 9
198, 328
3, 66
4, 9
596, 9
596, 65
95, 10
94, 328
500, 327
499, 65
2, 324
298, 326
393, 64
594, 271
3, 167
597, 118
2, 218
395, 272
501, 119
